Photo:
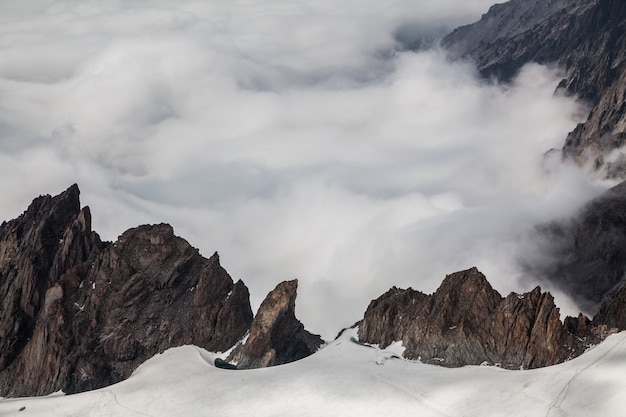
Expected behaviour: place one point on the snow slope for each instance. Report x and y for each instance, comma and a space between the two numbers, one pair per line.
347, 379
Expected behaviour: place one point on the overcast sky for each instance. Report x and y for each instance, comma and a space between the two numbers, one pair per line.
296, 138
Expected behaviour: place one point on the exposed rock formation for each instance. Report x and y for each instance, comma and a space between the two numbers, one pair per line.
276, 336
587, 39
53, 234
77, 314
502, 21
467, 322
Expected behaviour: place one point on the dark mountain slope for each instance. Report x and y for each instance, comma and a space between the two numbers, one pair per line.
586, 39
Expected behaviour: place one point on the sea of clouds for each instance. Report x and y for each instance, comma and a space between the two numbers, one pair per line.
296, 138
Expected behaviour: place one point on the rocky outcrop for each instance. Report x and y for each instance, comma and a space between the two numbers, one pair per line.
53, 234
586, 39
276, 336
77, 314
467, 322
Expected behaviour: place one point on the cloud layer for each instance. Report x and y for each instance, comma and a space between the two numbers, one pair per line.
298, 139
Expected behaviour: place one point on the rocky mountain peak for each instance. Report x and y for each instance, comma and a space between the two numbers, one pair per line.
467, 322
276, 335
79, 314
31, 248
280, 301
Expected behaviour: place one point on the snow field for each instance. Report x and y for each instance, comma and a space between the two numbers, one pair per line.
347, 379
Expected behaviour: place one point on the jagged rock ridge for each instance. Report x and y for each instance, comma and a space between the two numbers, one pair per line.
586, 39
78, 314
51, 235
467, 322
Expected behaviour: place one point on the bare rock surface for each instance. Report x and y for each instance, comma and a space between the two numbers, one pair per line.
586, 39
276, 336
467, 322
51, 235
77, 314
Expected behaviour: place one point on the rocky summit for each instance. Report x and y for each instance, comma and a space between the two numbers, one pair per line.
467, 322
276, 336
586, 39
78, 314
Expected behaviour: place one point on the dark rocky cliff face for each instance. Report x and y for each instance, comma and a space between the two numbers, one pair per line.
586, 39
53, 234
612, 311
467, 322
78, 314
146, 293
276, 336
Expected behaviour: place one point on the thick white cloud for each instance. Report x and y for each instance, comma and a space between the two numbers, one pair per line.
298, 139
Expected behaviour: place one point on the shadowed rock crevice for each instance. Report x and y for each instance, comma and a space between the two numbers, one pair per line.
33, 248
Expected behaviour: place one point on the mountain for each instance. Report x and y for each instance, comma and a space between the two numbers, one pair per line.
78, 314
586, 39
467, 322
348, 379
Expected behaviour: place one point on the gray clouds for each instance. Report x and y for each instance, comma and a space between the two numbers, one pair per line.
296, 138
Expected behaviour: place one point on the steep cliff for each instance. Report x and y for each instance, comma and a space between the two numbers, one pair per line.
276, 336
586, 39
52, 235
77, 314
